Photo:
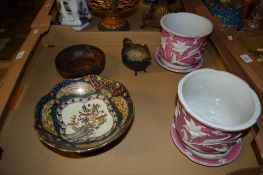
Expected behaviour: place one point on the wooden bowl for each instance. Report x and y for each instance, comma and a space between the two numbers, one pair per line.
79, 60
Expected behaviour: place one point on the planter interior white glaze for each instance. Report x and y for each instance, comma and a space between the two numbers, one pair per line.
219, 99
186, 24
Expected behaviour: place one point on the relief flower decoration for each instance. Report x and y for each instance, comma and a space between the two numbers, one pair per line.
180, 47
194, 129
222, 161
195, 41
163, 42
177, 110
217, 132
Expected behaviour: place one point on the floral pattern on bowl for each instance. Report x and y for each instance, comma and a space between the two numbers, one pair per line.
84, 114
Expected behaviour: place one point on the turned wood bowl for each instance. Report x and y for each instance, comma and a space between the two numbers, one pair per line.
80, 60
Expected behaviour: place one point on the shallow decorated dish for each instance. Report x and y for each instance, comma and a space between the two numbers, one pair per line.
84, 114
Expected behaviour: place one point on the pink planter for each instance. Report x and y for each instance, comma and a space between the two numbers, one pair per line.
201, 138
213, 110
184, 37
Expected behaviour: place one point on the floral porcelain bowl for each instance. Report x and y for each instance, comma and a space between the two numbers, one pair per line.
84, 114
213, 110
184, 37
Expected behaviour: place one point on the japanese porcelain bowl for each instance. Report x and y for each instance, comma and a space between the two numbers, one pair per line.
213, 110
84, 114
80, 60
184, 37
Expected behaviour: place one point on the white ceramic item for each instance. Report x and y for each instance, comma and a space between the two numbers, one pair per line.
74, 13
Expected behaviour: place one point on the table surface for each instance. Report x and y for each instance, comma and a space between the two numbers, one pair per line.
146, 149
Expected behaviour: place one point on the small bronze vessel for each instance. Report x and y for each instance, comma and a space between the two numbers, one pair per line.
135, 56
